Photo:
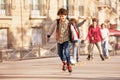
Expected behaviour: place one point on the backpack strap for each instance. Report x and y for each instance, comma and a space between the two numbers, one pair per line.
57, 29
57, 23
69, 32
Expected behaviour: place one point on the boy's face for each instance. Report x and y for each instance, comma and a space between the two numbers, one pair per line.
62, 17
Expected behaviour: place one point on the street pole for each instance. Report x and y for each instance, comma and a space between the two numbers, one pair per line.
67, 9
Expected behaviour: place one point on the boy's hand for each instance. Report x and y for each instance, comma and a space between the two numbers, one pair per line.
47, 39
87, 18
76, 44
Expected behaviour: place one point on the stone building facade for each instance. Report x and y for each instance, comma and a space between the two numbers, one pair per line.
26, 22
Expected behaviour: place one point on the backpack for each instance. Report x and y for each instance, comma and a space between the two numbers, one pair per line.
71, 37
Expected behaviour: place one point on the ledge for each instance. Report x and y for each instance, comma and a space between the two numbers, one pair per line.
5, 17
38, 17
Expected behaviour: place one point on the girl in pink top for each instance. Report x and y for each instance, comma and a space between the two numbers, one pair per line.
94, 37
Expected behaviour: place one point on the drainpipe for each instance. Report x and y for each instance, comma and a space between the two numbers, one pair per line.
67, 9
21, 47
117, 3
21, 22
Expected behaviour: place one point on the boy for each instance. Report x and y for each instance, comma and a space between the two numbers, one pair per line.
62, 38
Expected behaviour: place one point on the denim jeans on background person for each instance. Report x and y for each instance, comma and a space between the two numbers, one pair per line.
75, 52
105, 48
64, 51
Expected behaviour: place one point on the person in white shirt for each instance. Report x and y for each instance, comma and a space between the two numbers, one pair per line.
105, 41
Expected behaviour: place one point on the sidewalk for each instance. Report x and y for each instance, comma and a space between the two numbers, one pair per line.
50, 69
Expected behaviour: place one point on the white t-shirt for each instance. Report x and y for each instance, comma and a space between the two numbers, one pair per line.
105, 33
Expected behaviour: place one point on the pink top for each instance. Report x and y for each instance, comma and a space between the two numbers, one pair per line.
94, 34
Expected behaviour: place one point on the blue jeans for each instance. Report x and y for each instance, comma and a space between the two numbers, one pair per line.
64, 51
75, 51
105, 48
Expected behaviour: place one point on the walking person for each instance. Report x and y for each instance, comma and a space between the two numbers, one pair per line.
105, 41
95, 38
76, 25
63, 29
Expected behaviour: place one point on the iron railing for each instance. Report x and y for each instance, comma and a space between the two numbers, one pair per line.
32, 52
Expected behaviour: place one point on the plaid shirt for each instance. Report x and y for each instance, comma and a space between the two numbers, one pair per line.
64, 34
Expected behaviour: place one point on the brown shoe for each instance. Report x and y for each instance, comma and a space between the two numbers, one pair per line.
69, 68
64, 67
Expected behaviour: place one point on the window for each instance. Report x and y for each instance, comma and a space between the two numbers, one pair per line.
81, 8
2, 7
105, 2
71, 7
108, 2
3, 38
37, 36
38, 7
5, 8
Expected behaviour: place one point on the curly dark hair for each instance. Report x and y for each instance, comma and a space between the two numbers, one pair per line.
102, 25
62, 11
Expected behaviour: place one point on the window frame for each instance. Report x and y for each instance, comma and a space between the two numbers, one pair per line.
6, 10
81, 8
39, 11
